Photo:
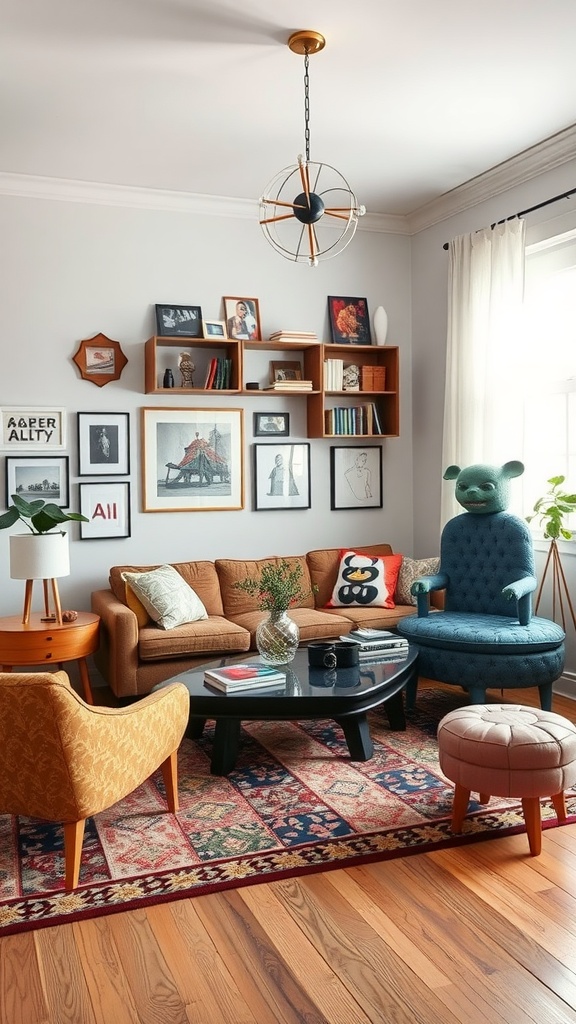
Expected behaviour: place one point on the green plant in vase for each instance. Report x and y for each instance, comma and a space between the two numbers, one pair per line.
550, 511
278, 588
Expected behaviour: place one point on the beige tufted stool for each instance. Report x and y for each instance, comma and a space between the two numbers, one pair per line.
508, 750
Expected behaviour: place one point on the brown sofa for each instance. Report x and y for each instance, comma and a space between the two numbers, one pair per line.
134, 658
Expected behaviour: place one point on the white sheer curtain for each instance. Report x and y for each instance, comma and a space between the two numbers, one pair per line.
482, 406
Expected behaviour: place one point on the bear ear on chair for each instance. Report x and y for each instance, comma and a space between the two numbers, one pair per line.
451, 473
513, 468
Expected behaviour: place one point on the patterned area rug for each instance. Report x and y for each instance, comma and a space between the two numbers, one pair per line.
294, 804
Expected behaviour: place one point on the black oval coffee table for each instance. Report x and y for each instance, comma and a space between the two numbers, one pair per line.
345, 695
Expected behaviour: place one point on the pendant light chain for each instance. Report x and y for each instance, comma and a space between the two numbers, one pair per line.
307, 105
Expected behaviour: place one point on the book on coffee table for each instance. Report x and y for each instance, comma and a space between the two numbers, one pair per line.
385, 641
244, 677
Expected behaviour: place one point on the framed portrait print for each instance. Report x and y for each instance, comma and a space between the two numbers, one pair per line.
178, 321
267, 423
242, 318
214, 328
281, 476
349, 321
38, 476
106, 505
192, 460
288, 370
32, 430
100, 360
356, 477
103, 443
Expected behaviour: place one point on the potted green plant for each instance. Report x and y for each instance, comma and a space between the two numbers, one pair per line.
550, 511
42, 553
278, 588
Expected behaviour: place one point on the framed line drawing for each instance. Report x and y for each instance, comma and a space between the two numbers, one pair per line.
103, 443
355, 477
38, 476
178, 321
106, 505
242, 318
27, 429
349, 320
100, 360
267, 423
281, 476
192, 460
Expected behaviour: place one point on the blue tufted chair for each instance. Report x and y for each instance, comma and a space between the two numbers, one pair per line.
486, 637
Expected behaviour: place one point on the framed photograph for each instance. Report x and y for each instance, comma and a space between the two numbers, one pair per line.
192, 460
356, 477
291, 370
103, 443
242, 318
349, 321
266, 423
178, 321
214, 328
38, 476
106, 505
100, 360
281, 476
32, 430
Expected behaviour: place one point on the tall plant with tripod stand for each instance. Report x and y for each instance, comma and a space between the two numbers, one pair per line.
550, 511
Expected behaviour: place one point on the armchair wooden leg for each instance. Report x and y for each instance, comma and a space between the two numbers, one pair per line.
169, 769
459, 807
73, 839
531, 810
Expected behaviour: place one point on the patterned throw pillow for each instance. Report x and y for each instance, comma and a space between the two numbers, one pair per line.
410, 570
166, 596
365, 580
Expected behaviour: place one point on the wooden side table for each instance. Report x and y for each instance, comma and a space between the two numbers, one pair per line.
42, 643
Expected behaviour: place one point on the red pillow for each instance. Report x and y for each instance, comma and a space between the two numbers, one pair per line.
365, 580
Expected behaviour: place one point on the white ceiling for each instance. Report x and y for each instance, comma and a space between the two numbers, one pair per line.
409, 99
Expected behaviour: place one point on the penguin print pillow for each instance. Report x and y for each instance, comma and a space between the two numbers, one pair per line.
365, 580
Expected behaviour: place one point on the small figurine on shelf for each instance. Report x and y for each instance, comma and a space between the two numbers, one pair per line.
186, 367
168, 381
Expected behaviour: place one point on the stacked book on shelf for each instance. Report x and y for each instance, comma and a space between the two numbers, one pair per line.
290, 385
218, 375
235, 678
378, 644
372, 378
333, 374
353, 420
301, 336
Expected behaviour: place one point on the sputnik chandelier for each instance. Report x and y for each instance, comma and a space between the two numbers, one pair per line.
321, 219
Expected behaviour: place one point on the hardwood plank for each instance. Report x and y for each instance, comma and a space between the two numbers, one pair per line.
22, 998
62, 974
264, 979
307, 965
372, 972
201, 974
105, 979
148, 975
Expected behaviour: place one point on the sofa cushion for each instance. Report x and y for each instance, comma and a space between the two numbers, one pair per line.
201, 576
233, 570
365, 580
135, 605
324, 563
213, 635
166, 596
410, 570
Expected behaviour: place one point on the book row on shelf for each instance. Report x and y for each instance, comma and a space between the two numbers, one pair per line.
353, 419
218, 375
338, 376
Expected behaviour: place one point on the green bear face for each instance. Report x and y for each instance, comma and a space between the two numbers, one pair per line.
482, 488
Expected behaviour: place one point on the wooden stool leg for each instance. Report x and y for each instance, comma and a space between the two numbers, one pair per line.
559, 803
459, 807
531, 810
169, 769
27, 602
483, 798
73, 839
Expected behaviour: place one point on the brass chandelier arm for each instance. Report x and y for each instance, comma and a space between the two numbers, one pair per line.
272, 220
278, 202
342, 216
305, 179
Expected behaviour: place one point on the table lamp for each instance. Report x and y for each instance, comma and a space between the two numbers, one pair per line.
43, 557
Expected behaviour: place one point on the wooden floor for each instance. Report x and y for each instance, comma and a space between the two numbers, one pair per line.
481, 934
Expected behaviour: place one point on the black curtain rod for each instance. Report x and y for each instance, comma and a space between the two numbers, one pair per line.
522, 213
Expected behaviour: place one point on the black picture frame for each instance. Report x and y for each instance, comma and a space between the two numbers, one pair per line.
281, 476
178, 321
106, 505
103, 443
38, 476
349, 320
271, 424
355, 476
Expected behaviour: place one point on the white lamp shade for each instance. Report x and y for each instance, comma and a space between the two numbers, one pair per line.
43, 556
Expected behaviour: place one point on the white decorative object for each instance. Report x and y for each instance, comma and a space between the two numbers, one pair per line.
380, 325
40, 556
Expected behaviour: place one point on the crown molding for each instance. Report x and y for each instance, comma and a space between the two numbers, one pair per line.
550, 153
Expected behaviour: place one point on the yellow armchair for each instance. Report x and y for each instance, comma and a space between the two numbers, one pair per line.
64, 760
